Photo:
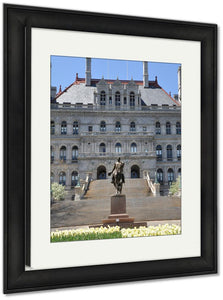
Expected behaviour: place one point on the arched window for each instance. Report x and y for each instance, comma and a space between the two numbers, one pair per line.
170, 176
178, 128
64, 127
117, 126
103, 126
169, 152
51, 154
168, 128
74, 154
118, 148
63, 153
52, 127
178, 152
102, 148
159, 153
51, 177
158, 129
62, 178
133, 148
102, 98
132, 100
159, 176
74, 178
132, 126
117, 99
75, 127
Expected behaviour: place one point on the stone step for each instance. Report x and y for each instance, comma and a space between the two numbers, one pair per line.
103, 189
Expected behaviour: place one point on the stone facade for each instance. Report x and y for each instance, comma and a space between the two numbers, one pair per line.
93, 122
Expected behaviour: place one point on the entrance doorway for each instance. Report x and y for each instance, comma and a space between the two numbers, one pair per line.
135, 171
101, 172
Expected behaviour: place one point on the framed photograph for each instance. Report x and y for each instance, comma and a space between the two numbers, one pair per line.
110, 148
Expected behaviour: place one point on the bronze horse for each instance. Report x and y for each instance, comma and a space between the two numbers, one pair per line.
118, 177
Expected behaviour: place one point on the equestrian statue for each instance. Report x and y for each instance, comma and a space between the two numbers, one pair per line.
118, 177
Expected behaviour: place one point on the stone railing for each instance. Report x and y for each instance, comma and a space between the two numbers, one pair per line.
81, 189
154, 187
121, 133
91, 107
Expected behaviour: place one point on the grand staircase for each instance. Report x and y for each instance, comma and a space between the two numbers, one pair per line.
95, 205
103, 189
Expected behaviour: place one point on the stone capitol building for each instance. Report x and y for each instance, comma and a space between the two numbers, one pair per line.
95, 121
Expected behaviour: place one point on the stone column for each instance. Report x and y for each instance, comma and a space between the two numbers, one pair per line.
163, 128
69, 154
56, 153
69, 128
57, 128
174, 152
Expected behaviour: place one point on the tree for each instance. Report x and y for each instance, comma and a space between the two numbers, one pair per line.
175, 187
58, 191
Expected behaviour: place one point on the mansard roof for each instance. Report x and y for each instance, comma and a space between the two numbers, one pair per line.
78, 92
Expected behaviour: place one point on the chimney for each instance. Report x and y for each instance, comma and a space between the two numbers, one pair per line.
88, 72
145, 74
179, 83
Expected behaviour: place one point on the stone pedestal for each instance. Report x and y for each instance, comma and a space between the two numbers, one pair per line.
118, 216
77, 193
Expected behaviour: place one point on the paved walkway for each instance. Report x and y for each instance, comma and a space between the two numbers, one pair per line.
96, 205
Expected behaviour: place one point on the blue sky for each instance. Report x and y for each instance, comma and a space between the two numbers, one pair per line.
64, 69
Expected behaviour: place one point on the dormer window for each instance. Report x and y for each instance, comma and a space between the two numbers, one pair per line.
132, 100
102, 98
117, 99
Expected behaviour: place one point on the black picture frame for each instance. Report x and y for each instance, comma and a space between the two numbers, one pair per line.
18, 20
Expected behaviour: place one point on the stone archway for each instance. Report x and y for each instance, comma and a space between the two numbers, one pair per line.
135, 171
101, 172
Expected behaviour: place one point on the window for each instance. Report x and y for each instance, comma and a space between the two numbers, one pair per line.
90, 128
103, 126
75, 127
170, 176
103, 98
64, 127
125, 100
51, 154
168, 128
74, 178
117, 99
159, 176
52, 128
179, 152
178, 128
169, 153
133, 148
158, 129
132, 100
118, 148
62, 178
159, 153
117, 126
74, 154
144, 129
63, 153
132, 126
102, 148
110, 100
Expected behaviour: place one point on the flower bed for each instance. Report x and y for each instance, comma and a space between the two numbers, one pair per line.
113, 233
